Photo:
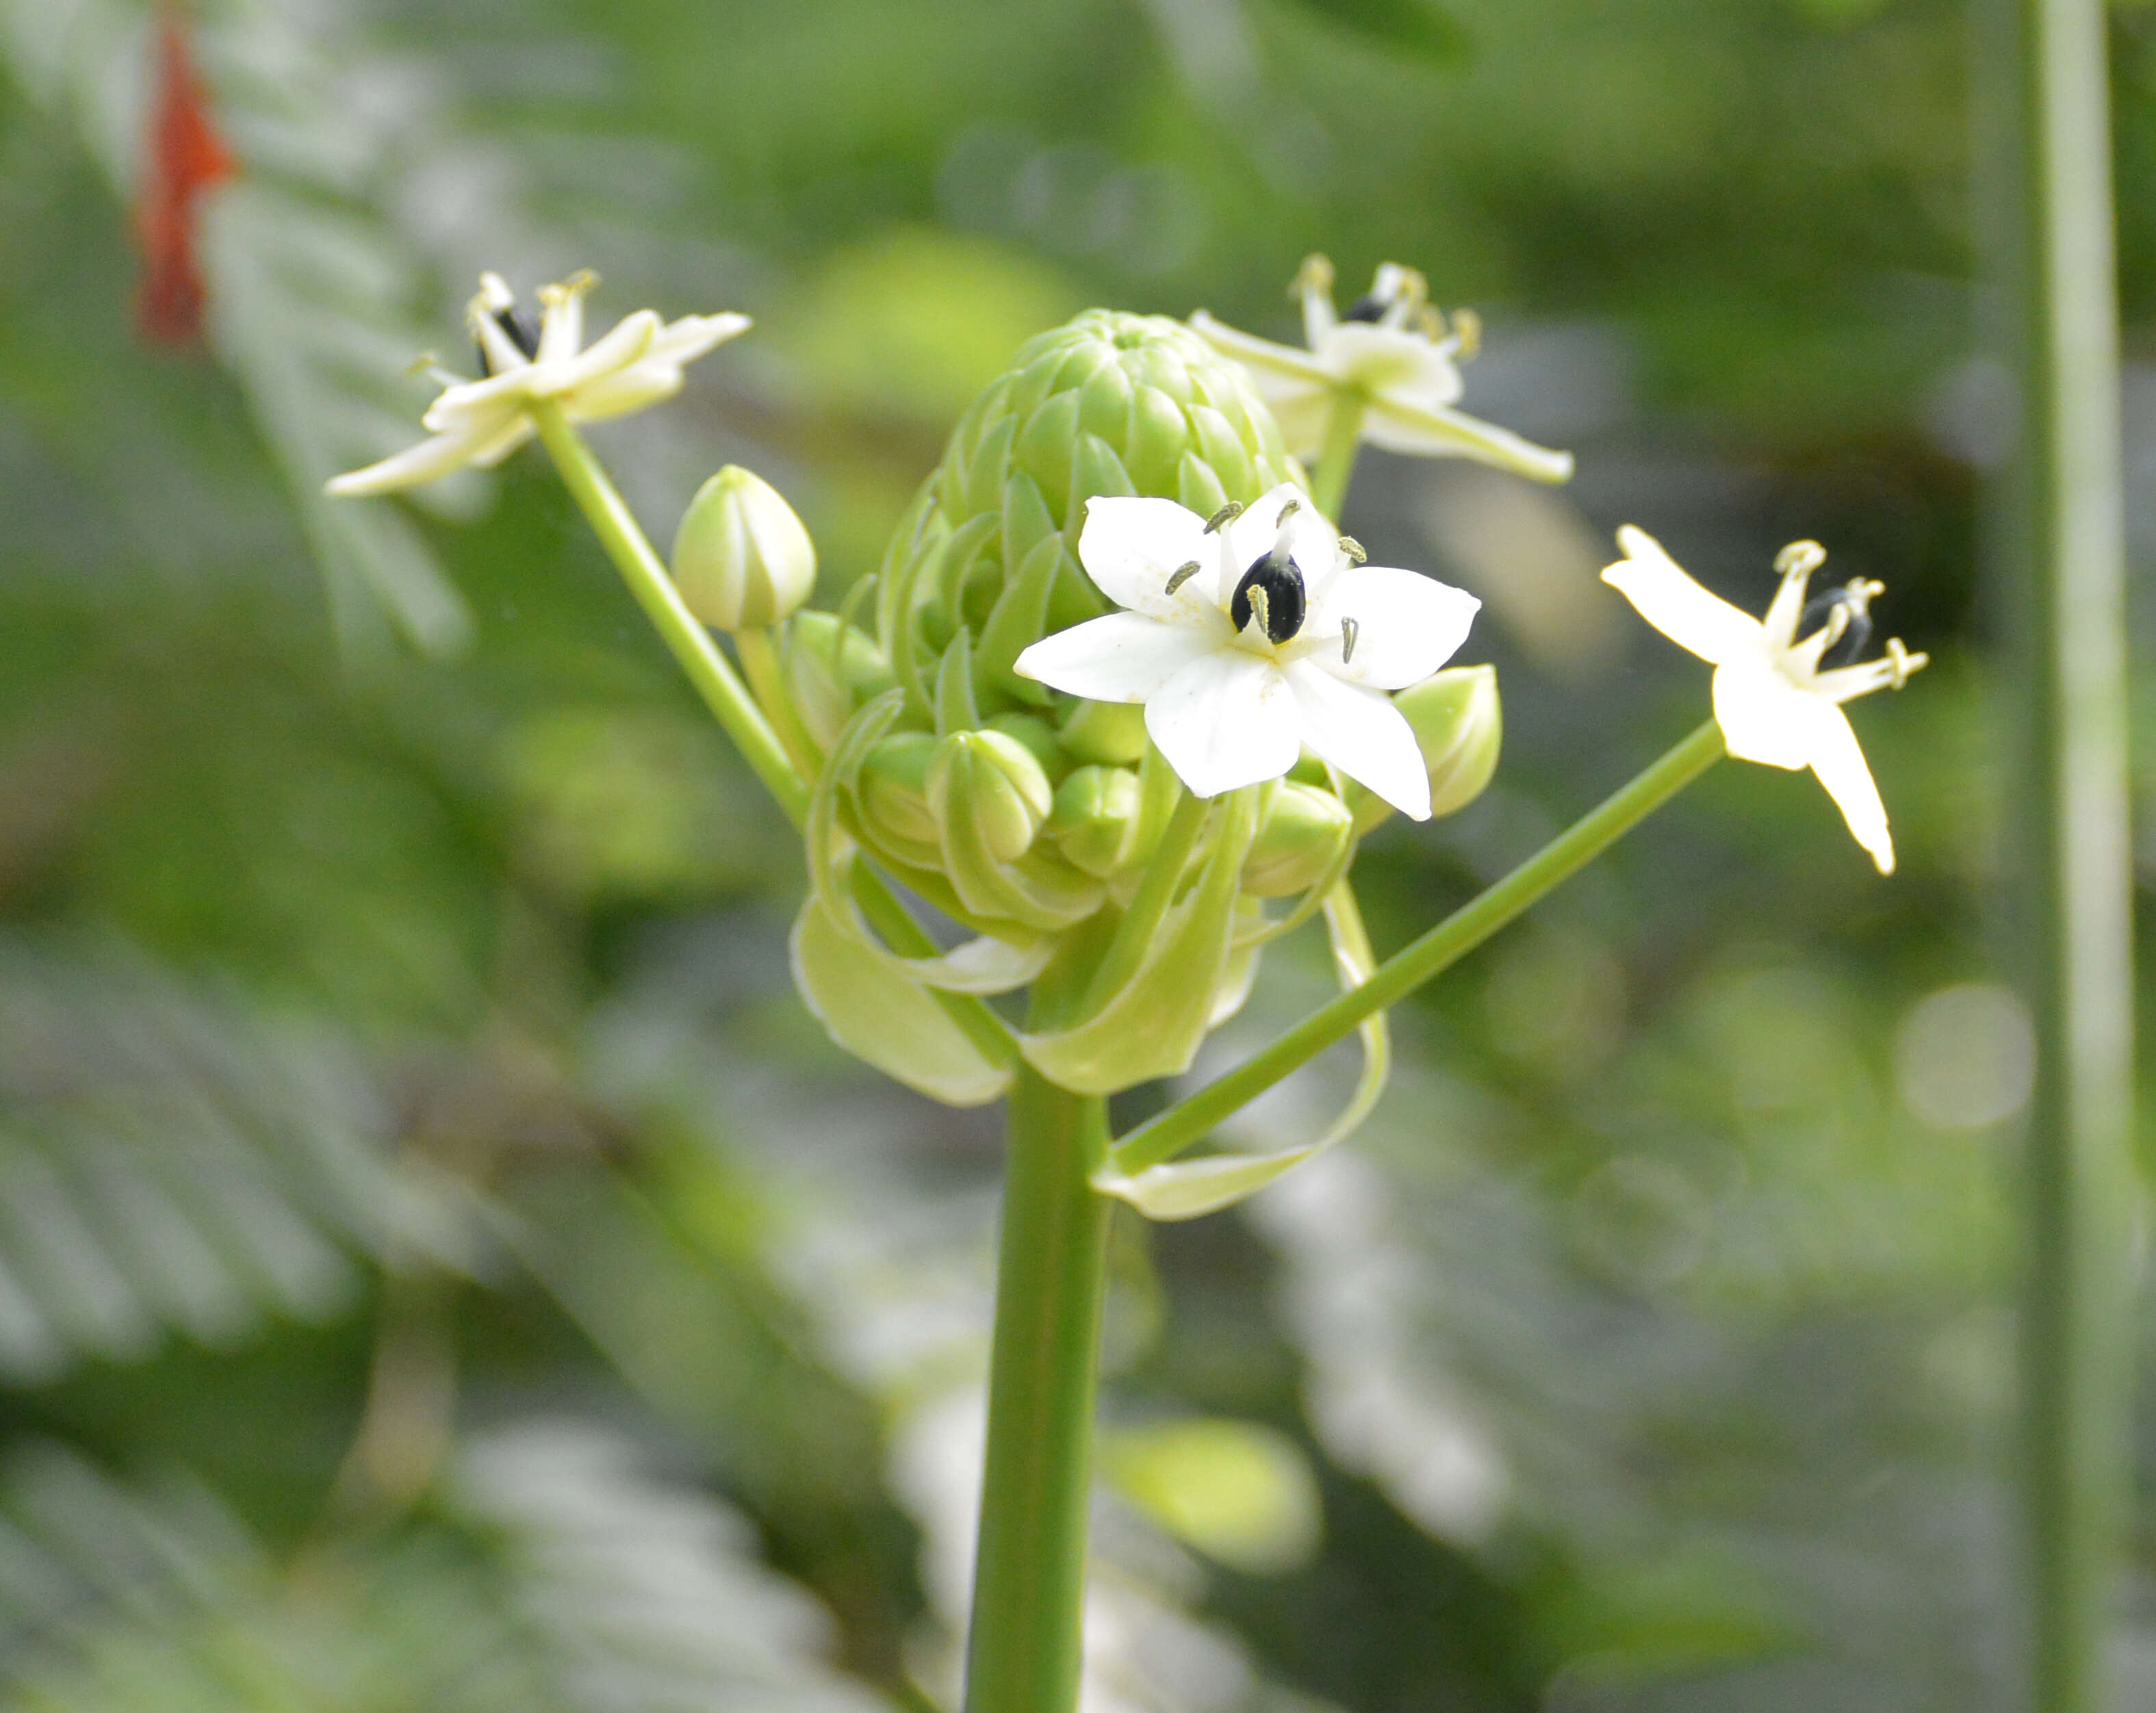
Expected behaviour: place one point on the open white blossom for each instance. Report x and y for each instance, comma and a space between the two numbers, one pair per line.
482, 422
1772, 699
1252, 634
1396, 352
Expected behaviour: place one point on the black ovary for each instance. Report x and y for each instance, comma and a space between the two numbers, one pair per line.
523, 333
1368, 309
1285, 599
1819, 612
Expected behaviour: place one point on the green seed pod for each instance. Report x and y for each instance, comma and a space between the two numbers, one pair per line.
828, 675
893, 792
741, 559
991, 782
1109, 403
1301, 835
1459, 725
1095, 809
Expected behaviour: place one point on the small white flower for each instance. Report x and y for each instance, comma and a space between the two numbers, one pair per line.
482, 422
1393, 350
1252, 635
1772, 702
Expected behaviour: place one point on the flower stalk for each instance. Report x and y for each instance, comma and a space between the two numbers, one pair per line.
2060, 602
1189, 1120
1025, 1645
728, 699
1336, 459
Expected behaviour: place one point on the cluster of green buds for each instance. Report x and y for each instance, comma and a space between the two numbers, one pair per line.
1047, 826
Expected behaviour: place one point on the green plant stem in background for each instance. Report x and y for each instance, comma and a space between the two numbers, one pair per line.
1336, 457
2062, 605
1024, 1649
731, 704
1189, 1118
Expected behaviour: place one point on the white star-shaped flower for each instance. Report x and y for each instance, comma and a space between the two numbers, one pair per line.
1394, 351
482, 422
1252, 635
1772, 701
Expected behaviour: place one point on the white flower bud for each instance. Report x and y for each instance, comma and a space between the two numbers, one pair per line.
741, 559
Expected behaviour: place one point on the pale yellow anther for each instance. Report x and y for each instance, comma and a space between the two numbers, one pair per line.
1226, 514
1801, 559
1353, 550
1348, 629
1466, 333
1183, 573
1260, 614
576, 286
1315, 274
1901, 662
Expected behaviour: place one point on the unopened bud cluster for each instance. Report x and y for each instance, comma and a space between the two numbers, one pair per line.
1026, 814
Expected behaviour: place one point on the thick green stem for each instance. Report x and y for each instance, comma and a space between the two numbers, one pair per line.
2069, 879
730, 702
1024, 1651
1336, 457
1189, 1118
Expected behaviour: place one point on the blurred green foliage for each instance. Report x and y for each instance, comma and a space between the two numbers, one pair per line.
440, 1263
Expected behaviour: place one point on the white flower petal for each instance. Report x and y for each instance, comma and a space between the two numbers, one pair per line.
1226, 719
561, 323
1763, 716
632, 388
469, 404
507, 439
1126, 656
1406, 626
1285, 363
1131, 547
428, 461
1405, 368
691, 337
1838, 761
1399, 425
624, 345
503, 358
1362, 734
1668, 599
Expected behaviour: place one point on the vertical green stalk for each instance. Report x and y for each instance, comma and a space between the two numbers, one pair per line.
2061, 601
1336, 457
1025, 1649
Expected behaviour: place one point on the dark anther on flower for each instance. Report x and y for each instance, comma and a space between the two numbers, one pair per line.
1226, 514
1354, 549
1369, 307
1348, 628
1183, 573
1854, 603
1272, 588
521, 330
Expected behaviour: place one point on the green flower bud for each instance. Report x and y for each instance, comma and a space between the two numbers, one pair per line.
1095, 809
1458, 722
1105, 731
893, 791
1303, 833
828, 675
1036, 734
991, 782
1108, 403
741, 559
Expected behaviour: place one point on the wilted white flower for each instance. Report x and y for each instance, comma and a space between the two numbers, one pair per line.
1395, 353
1772, 699
482, 422
1254, 633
